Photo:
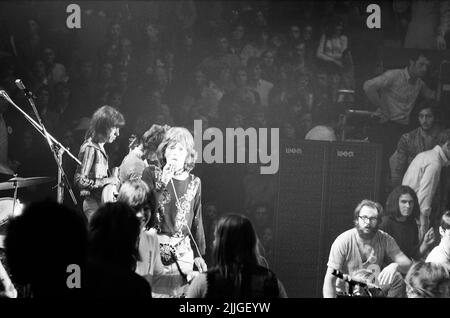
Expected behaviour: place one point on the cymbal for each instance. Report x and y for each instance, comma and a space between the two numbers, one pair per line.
4, 169
23, 182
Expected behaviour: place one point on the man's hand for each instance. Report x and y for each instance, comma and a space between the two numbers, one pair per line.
429, 237
381, 115
167, 173
338, 63
387, 274
201, 264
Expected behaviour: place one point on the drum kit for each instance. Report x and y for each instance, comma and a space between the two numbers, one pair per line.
11, 207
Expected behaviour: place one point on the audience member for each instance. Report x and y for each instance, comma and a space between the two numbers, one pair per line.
41, 243
114, 232
423, 176
239, 269
400, 221
365, 247
421, 139
441, 253
427, 280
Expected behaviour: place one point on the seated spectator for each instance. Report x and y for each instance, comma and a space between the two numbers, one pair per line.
402, 211
427, 280
423, 176
308, 39
305, 125
38, 76
262, 87
114, 232
441, 253
56, 72
330, 52
256, 47
41, 244
423, 138
222, 55
269, 67
238, 39
366, 247
238, 270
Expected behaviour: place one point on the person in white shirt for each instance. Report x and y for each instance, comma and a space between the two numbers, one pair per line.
423, 176
441, 253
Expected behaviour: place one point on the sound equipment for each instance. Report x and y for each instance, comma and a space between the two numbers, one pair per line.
320, 184
299, 214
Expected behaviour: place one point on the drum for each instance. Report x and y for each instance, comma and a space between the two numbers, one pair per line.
6, 211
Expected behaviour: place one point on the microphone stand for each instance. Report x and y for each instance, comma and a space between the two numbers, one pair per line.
56, 148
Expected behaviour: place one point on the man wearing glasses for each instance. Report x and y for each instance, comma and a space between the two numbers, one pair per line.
367, 247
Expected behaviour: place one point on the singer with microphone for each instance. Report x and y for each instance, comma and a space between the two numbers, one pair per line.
366, 247
179, 218
93, 174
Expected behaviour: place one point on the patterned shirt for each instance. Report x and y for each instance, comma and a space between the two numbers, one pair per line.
91, 176
409, 146
178, 217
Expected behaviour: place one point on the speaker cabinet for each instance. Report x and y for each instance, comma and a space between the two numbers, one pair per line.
320, 184
299, 215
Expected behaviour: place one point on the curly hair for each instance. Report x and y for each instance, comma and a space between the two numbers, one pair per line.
183, 136
153, 137
427, 280
104, 118
369, 203
392, 208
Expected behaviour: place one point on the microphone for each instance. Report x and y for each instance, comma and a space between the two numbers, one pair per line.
22, 87
351, 281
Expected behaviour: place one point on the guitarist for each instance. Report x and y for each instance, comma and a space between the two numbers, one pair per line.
92, 175
141, 152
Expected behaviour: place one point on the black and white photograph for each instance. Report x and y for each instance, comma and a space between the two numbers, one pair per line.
236, 152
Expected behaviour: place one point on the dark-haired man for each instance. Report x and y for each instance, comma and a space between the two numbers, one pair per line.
423, 138
423, 177
394, 94
366, 247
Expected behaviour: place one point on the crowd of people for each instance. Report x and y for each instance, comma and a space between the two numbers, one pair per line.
161, 65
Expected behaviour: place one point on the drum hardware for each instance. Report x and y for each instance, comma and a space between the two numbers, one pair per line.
18, 182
